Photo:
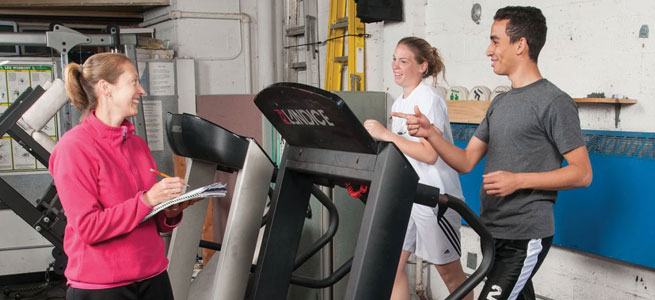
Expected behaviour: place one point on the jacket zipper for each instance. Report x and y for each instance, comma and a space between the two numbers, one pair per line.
129, 162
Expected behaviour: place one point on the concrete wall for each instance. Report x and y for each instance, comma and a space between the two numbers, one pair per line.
592, 46
218, 47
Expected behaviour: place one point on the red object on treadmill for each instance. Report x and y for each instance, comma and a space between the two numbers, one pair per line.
356, 193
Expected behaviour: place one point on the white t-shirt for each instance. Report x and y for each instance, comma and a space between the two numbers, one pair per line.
434, 108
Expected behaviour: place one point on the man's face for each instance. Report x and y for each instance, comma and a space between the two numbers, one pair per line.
500, 50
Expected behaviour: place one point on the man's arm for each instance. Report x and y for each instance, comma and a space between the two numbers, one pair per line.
462, 160
576, 174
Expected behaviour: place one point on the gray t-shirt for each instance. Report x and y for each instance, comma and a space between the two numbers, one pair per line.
527, 130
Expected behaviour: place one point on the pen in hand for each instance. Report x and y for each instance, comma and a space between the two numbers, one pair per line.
162, 174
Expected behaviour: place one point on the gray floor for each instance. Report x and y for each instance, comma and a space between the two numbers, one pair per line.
34, 291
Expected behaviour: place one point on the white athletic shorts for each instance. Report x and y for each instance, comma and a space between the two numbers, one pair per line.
435, 242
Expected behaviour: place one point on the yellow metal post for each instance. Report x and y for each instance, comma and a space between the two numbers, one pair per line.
356, 44
345, 26
335, 45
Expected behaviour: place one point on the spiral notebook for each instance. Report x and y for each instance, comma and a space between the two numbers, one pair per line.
213, 190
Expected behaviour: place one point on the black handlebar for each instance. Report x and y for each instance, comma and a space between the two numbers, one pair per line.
486, 244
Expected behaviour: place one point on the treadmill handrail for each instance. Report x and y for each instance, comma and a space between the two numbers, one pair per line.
329, 233
486, 245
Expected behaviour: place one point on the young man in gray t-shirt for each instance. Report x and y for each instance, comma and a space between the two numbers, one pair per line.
526, 134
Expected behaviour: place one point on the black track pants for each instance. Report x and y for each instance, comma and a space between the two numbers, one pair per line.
515, 263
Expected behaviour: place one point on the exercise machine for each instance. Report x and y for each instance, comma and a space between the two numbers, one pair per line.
327, 145
23, 121
211, 147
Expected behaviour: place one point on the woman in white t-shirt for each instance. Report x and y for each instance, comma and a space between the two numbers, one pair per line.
434, 240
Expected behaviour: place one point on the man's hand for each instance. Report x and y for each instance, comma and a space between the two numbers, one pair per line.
418, 124
376, 130
500, 183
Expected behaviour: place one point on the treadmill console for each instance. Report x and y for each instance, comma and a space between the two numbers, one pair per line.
313, 118
194, 137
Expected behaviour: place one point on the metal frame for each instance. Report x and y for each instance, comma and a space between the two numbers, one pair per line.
211, 147
186, 236
393, 185
63, 39
47, 217
229, 277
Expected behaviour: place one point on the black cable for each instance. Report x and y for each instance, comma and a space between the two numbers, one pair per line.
32, 291
366, 35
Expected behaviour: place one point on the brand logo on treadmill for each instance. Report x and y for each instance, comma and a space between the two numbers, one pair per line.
310, 117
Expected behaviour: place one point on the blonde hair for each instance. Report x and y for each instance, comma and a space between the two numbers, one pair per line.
424, 52
82, 79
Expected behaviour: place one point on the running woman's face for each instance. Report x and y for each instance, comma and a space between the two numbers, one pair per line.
407, 72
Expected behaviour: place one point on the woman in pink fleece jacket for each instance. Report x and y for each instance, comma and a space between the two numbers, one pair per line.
102, 174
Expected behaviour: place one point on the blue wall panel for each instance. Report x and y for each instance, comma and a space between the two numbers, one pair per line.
614, 217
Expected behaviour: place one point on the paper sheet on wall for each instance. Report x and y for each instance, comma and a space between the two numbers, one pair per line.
40, 77
17, 82
5, 154
162, 78
23, 160
3, 108
3, 87
154, 126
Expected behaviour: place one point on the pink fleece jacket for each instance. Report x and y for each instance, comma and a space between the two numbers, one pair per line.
101, 173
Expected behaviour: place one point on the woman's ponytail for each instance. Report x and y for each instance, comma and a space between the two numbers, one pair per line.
74, 87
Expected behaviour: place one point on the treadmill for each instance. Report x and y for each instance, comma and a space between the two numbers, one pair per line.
327, 145
211, 147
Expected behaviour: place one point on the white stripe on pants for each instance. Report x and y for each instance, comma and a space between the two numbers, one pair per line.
530, 262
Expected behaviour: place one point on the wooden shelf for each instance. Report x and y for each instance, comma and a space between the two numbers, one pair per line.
467, 111
605, 100
472, 112
616, 102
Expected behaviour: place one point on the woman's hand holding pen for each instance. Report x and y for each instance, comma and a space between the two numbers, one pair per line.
165, 189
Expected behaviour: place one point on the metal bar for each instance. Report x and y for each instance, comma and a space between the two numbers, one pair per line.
186, 236
296, 30
18, 108
282, 234
357, 167
31, 145
486, 245
329, 281
242, 227
22, 207
390, 201
332, 229
25, 39
39, 39
24, 247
